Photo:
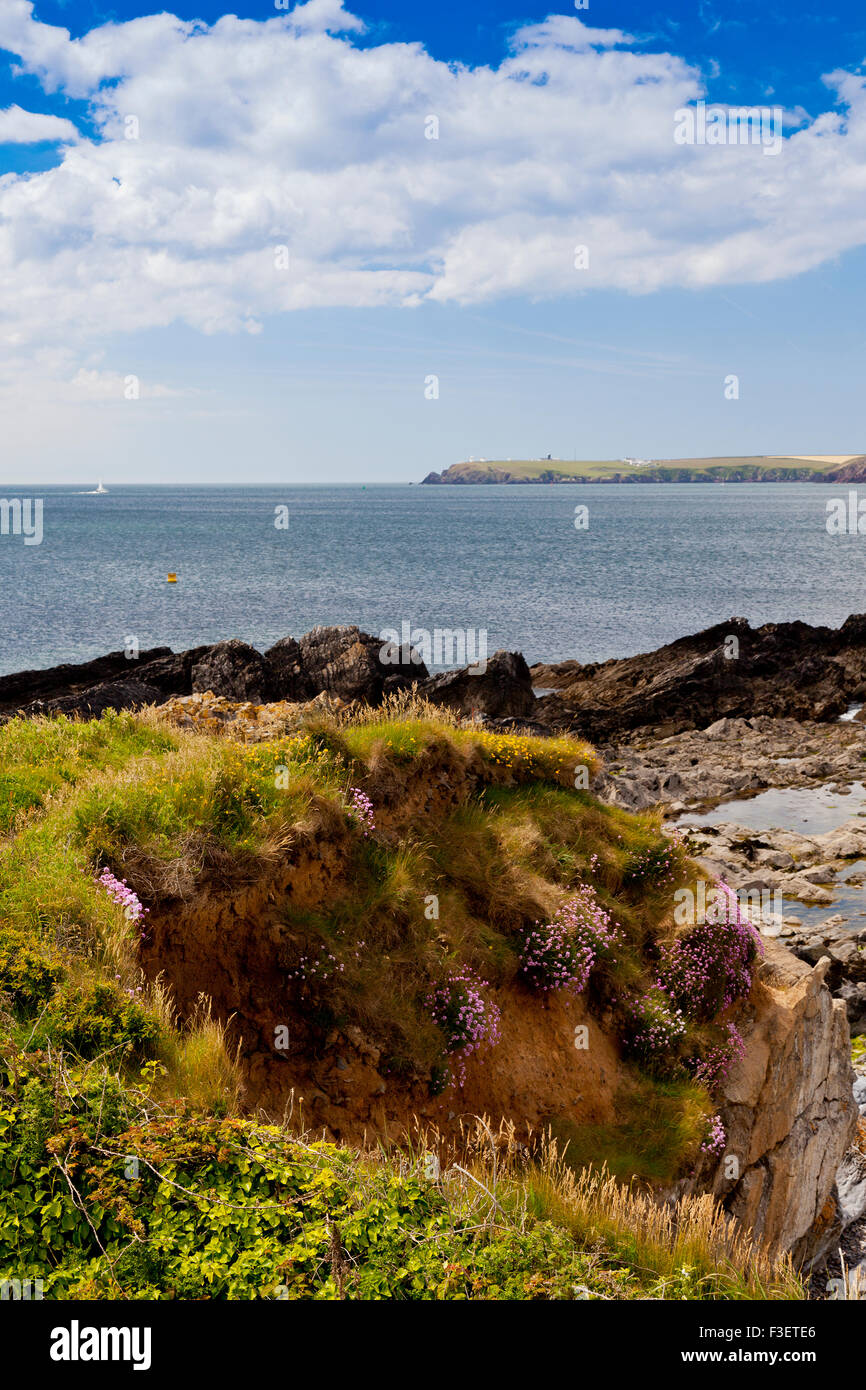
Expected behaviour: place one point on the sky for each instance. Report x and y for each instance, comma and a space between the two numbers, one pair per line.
354, 244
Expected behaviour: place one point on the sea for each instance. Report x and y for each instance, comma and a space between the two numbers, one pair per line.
524, 565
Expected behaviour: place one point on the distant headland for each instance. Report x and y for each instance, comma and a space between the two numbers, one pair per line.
757, 468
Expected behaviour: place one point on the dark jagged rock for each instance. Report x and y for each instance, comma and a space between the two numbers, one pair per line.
403, 666
63, 688
731, 670
340, 660
26, 687
501, 691
90, 704
235, 670
287, 678
356, 666
344, 662
172, 673
782, 669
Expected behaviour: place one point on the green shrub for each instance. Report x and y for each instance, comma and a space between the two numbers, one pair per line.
28, 974
94, 1018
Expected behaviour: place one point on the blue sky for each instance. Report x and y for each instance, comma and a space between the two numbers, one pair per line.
785, 46
151, 260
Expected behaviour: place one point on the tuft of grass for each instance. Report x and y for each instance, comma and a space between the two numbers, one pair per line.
658, 1133
638, 1246
398, 707
197, 1063
690, 1248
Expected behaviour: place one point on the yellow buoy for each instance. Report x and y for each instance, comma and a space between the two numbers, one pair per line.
172, 579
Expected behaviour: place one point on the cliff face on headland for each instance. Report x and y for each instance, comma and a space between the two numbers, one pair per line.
710, 470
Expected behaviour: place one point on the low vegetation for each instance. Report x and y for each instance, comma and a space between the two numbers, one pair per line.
127, 1165
746, 468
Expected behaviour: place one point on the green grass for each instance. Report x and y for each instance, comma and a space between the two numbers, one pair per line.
659, 1128
668, 470
500, 861
39, 758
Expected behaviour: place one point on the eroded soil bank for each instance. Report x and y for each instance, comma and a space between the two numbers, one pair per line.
787, 1105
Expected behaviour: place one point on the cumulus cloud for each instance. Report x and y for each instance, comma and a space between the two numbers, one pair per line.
252, 167
328, 16
19, 127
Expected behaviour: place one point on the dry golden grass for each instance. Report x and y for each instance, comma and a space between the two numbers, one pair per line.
693, 1233
687, 1248
399, 707
199, 1065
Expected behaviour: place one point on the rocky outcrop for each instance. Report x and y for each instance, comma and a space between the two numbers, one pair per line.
788, 1110
356, 666
126, 682
235, 670
730, 670
461, 473
341, 661
732, 757
287, 677
57, 682
784, 670
499, 688
171, 674
92, 703
246, 721
854, 471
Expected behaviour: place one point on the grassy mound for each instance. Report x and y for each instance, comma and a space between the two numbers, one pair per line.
467, 865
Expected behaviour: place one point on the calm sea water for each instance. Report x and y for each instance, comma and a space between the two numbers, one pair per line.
657, 561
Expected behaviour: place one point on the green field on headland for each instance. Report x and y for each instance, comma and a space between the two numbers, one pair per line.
748, 468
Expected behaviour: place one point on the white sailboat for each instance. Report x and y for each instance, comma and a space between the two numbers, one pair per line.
98, 491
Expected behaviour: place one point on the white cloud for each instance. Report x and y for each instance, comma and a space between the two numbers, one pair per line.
91, 384
252, 135
329, 16
19, 127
